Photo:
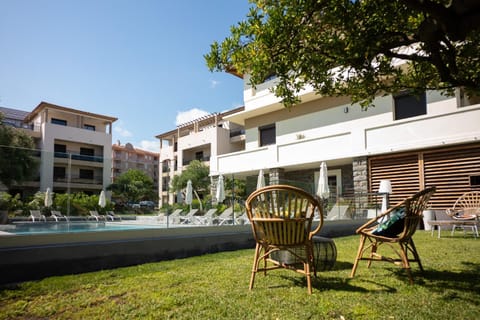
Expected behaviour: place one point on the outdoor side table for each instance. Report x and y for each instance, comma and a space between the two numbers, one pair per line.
454, 224
324, 252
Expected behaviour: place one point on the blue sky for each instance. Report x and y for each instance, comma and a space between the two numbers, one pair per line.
140, 61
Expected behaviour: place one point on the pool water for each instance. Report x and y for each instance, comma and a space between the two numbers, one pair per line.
73, 227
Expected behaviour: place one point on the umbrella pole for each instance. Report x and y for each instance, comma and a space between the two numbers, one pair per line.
233, 198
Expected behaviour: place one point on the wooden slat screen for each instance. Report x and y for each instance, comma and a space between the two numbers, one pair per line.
401, 170
449, 169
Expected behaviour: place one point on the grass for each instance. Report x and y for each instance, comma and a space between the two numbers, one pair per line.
215, 286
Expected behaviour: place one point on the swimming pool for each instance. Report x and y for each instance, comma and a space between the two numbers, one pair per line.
73, 227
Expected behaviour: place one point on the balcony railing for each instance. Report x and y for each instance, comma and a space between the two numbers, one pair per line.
76, 156
187, 162
79, 179
236, 133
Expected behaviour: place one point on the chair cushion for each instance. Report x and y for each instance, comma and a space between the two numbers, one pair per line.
393, 226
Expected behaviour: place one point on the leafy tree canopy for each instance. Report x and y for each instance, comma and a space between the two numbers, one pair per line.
133, 185
347, 47
16, 161
197, 172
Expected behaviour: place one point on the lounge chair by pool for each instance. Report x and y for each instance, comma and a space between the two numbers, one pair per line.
37, 215
57, 215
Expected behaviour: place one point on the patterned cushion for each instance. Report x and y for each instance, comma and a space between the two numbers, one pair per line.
393, 226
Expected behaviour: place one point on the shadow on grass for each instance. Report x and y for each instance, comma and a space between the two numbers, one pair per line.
467, 279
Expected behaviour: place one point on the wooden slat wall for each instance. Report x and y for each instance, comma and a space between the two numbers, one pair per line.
449, 169
401, 170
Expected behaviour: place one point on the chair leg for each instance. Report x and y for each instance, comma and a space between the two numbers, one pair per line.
255, 265
415, 253
309, 278
372, 253
359, 255
405, 263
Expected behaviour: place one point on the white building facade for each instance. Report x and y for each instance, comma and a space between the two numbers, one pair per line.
202, 139
413, 141
74, 146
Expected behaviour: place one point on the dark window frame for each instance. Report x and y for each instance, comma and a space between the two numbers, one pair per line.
267, 135
86, 174
60, 122
89, 127
87, 151
408, 105
59, 172
475, 181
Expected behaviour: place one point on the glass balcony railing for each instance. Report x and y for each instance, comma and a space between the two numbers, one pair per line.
79, 179
187, 162
76, 156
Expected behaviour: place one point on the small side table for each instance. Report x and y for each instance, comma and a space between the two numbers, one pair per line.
454, 224
324, 253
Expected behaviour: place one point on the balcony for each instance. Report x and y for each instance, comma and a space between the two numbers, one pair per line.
76, 156
203, 159
78, 180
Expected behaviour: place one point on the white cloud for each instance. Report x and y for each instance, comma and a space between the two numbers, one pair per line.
214, 83
189, 115
118, 129
150, 145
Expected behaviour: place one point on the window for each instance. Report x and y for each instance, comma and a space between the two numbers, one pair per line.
89, 127
267, 135
58, 173
475, 181
59, 121
199, 155
60, 148
409, 105
464, 100
87, 152
86, 174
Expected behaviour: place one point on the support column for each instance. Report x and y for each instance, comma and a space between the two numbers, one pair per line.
360, 178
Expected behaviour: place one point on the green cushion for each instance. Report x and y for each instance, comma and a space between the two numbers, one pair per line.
393, 226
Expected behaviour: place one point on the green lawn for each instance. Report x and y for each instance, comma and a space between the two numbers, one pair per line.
215, 286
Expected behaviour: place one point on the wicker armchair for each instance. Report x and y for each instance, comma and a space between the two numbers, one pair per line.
466, 212
409, 213
281, 218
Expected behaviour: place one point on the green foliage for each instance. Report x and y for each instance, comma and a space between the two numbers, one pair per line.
9, 203
235, 187
80, 203
133, 186
17, 163
215, 286
351, 47
197, 172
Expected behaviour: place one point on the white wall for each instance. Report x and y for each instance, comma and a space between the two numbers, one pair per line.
330, 133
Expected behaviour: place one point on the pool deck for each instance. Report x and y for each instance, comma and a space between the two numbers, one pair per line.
30, 257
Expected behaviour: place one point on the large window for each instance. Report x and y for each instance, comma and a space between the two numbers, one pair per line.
267, 135
409, 105
58, 173
199, 155
60, 150
87, 151
89, 127
86, 174
59, 121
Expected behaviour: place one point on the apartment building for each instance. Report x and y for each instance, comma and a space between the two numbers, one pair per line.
201, 139
74, 148
126, 157
431, 140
